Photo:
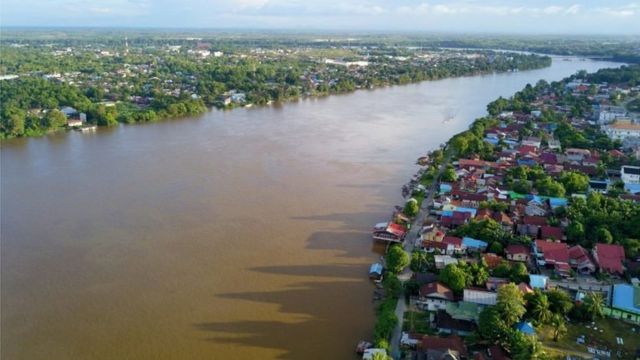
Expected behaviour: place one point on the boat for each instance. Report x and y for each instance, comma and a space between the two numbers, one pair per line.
362, 346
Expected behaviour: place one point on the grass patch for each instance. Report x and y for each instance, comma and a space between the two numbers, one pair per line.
604, 337
417, 322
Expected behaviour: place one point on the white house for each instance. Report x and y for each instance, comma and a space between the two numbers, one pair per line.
621, 130
630, 174
480, 296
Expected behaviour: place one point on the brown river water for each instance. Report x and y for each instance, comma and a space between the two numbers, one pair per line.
242, 234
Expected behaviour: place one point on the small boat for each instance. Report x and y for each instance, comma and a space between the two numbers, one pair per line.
362, 346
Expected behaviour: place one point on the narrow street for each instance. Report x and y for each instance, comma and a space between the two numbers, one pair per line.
409, 243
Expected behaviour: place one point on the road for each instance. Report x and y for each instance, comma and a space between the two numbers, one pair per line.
409, 243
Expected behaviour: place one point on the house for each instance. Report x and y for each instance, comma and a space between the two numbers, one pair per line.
480, 296
455, 244
463, 310
471, 244
531, 225
538, 281
580, 260
598, 186
609, 258
452, 344
551, 232
444, 260
455, 219
547, 251
448, 325
576, 155
526, 328
434, 296
492, 260
621, 130
517, 252
493, 283
525, 288
630, 174
438, 247
625, 303
391, 232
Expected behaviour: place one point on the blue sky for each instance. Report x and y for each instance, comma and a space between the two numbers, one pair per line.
488, 16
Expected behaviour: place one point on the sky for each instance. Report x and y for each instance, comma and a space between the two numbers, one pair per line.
464, 16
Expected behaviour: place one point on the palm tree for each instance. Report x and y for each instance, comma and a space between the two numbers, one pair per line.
594, 304
540, 308
559, 327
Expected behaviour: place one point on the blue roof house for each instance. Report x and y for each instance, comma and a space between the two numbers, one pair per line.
538, 281
473, 244
526, 328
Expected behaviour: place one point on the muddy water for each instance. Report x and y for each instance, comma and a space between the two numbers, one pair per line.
234, 235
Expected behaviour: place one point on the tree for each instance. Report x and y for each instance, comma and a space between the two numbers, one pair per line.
420, 261
594, 305
454, 277
549, 187
539, 307
491, 326
411, 208
519, 273
396, 259
558, 325
604, 235
479, 273
54, 118
559, 301
503, 270
381, 356
575, 232
521, 187
510, 304
449, 175
574, 182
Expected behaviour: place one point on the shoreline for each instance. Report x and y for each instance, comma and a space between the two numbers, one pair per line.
211, 108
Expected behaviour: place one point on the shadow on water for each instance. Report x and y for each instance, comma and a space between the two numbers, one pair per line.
341, 296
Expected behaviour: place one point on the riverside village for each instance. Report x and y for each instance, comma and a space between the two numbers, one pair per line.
520, 237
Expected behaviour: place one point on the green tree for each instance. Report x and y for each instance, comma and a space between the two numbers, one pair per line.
559, 301
559, 326
411, 207
397, 259
519, 273
54, 119
594, 305
539, 307
449, 175
454, 277
491, 326
510, 304
419, 261
604, 235
574, 182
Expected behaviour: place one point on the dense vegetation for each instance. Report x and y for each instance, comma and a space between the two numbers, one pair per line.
157, 76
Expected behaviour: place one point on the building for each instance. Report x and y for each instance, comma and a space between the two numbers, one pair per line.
391, 232
621, 130
625, 303
434, 296
581, 261
517, 252
538, 281
609, 258
480, 296
630, 174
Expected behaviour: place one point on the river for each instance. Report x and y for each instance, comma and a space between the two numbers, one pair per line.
239, 234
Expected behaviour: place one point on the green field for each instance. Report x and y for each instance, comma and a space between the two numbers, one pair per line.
603, 337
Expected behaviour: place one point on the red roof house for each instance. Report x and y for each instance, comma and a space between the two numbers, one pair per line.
609, 258
517, 252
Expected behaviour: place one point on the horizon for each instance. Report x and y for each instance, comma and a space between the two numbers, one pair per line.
494, 17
